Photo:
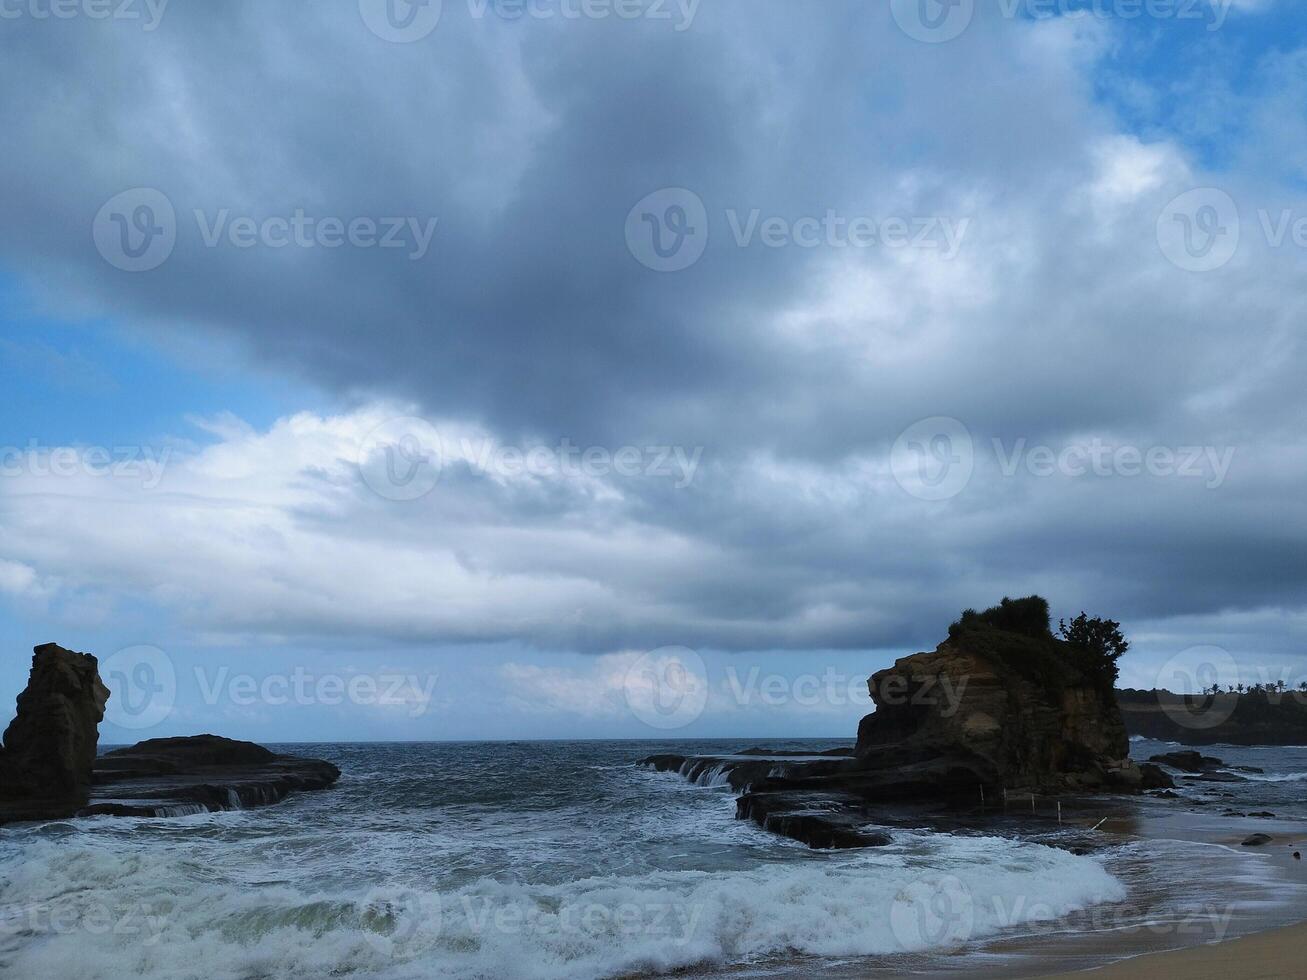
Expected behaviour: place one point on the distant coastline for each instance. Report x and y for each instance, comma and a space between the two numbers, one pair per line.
1261, 716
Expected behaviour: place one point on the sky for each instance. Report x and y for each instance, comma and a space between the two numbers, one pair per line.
641, 368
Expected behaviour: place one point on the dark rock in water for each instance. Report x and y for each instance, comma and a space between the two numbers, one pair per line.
1154, 777
819, 821
49, 747
1166, 795
1216, 777
1263, 813
1251, 769
1188, 761
1257, 840
172, 776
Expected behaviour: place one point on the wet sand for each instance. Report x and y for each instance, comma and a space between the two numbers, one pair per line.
1274, 954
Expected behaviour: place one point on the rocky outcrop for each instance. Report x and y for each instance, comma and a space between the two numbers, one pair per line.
999, 708
171, 776
1003, 709
50, 746
49, 768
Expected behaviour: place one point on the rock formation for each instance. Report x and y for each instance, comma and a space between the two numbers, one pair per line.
1011, 708
1001, 707
49, 768
50, 747
171, 776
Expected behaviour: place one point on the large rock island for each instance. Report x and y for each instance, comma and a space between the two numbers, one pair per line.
1000, 708
49, 767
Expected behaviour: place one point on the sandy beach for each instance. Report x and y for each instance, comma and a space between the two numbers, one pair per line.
1277, 953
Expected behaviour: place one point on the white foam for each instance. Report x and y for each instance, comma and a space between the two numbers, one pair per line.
192, 922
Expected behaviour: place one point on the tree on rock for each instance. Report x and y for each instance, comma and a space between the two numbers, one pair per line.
1101, 638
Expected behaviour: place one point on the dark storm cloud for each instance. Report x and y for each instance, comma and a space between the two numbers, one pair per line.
794, 368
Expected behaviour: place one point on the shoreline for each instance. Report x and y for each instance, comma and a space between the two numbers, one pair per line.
1273, 953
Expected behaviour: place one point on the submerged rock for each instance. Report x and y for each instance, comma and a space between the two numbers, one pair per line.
1154, 777
1188, 761
50, 746
1257, 840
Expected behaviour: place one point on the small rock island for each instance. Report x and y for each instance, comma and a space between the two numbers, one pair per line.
50, 770
1000, 708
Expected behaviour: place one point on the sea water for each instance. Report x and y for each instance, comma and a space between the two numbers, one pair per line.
522, 859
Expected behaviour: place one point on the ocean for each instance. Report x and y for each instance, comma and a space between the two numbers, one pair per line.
565, 859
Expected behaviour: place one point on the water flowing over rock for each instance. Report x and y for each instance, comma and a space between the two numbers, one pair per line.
50, 746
